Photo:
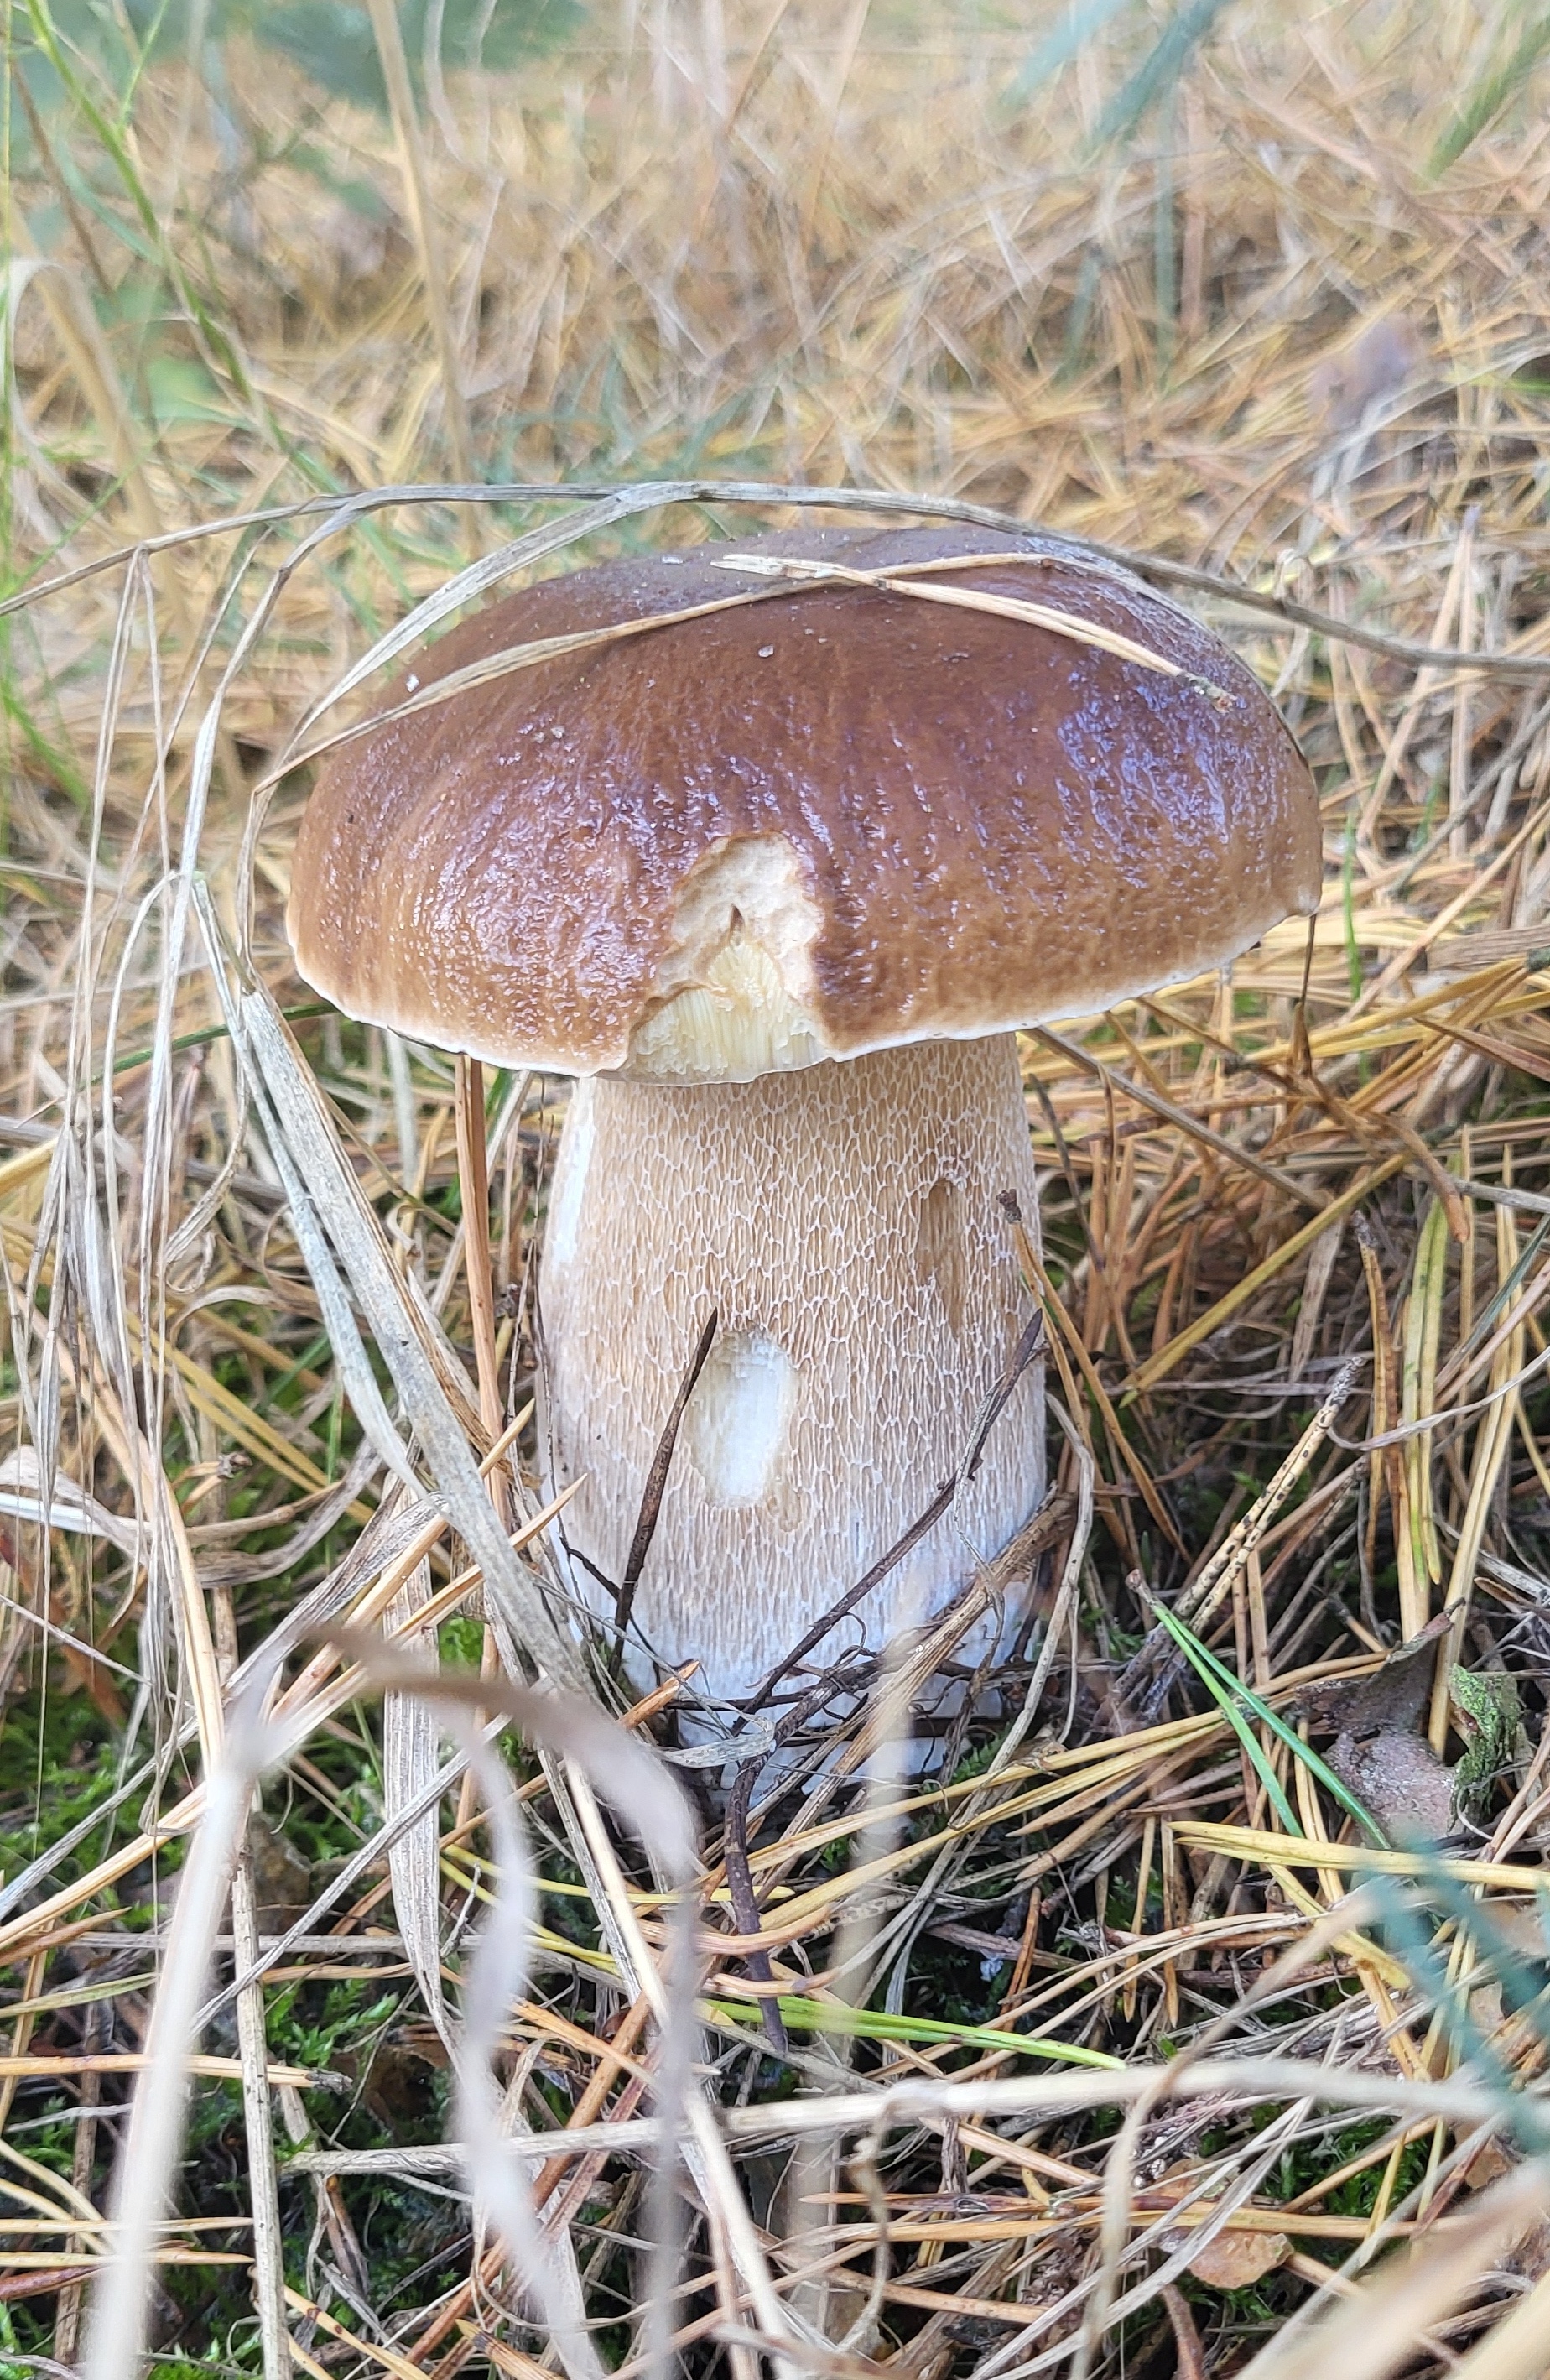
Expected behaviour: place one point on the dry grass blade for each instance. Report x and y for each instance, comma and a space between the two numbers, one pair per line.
967, 598
118, 2315
1515, 2349
411, 1759
354, 1229
1372, 2335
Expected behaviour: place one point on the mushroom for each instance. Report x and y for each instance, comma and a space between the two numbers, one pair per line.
777, 882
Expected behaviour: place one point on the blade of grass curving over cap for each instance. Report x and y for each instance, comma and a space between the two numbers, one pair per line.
466, 586
347, 511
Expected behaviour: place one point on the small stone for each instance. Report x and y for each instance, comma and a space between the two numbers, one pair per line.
282, 1878
1399, 1779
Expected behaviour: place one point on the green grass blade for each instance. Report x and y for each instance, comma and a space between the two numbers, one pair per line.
1205, 1666
220, 348
876, 2024
1241, 1696
1165, 63
1058, 48
1493, 91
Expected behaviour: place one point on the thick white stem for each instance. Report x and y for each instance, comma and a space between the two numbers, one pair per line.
844, 1223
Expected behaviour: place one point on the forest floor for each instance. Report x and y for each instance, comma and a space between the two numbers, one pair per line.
1254, 295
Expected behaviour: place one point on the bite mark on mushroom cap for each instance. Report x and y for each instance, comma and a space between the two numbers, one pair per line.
735, 995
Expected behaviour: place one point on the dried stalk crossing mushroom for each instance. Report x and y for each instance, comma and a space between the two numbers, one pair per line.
777, 882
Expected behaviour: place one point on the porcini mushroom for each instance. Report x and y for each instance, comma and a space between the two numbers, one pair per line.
778, 883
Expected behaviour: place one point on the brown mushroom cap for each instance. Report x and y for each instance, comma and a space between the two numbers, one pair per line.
860, 818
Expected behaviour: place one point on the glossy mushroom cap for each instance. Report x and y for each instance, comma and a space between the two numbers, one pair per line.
830, 821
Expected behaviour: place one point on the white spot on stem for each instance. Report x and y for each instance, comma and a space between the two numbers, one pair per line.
735, 1425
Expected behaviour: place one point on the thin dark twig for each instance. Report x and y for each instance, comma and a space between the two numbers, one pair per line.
745, 1910
656, 1484
918, 1528
1190, 2364
1068, 1174
734, 1850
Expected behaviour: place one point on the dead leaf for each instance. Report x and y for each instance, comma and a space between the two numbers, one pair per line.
1392, 1696
1378, 1752
1488, 2164
1236, 2260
